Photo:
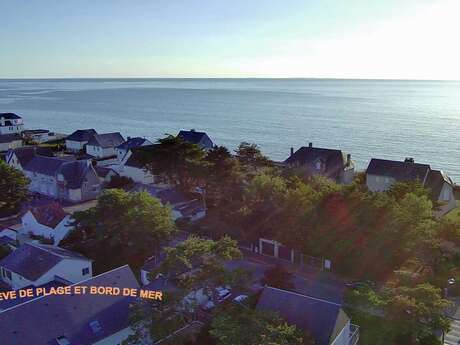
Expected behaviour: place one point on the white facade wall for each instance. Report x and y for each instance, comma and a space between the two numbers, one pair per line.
100, 152
30, 225
43, 184
344, 336
75, 146
16, 127
377, 183
17, 282
136, 174
69, 269
74, 195
11, 145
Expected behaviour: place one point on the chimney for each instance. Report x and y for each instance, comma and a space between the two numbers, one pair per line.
129, 138
348, 159
292, 151
310, 144
192, 130
409, 160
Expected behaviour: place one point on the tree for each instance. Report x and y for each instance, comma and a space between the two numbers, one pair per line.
243, 326
250, 157
198, 265
13, 189
415, 313
122, 228
224, 178
277, 276
180, 162
193, 265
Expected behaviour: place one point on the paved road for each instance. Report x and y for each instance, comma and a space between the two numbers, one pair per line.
315, 283
453, 337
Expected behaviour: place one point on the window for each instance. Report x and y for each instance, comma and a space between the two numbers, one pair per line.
85, 271
318, 165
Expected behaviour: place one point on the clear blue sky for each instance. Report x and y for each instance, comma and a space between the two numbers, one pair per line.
223, 38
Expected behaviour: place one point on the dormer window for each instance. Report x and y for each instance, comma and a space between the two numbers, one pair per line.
318, 165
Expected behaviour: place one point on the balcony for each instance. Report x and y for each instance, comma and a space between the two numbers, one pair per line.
354, 334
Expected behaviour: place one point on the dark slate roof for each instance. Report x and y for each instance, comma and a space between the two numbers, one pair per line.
193, 136
132, 143
10, 116
8, 138
190, 208
53, 316
322, 319
31, 261
44, 165
435, 181
333, 159
103, 171
106, 140
138, 156
25, 154
400, 171
82, 135
74, 172
49, 214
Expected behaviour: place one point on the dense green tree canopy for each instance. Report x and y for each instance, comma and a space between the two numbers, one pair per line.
13, 189
244, 326
122, 228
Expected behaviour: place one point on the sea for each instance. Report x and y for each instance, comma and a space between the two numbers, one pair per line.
389, 119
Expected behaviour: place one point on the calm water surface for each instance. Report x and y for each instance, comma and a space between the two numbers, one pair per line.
371, 118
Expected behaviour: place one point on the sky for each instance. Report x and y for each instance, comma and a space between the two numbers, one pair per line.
389, 39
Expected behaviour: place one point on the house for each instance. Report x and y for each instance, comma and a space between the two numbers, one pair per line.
325, 321
11, 123
38, 264
105, 174
381, 174
104, 145
133, 165
154, 261
18, 158
199, 138
59, 178
82, 319
76, 141
49, 221
130, 144
10, 141
333, 164
39, 135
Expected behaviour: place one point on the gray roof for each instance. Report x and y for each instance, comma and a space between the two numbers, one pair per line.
195, 137
400, 171
83, 319
333, 159
74, 173
25, 154
435, 181
10, 116
8, 138
44, 165
106, 140
140, 155
322, 319
132, 143
31, 261
82, 135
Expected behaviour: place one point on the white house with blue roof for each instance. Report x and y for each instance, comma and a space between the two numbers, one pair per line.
11, 123
59, 178
130, 144
199, 138
37, 264
76, 141
104, 145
